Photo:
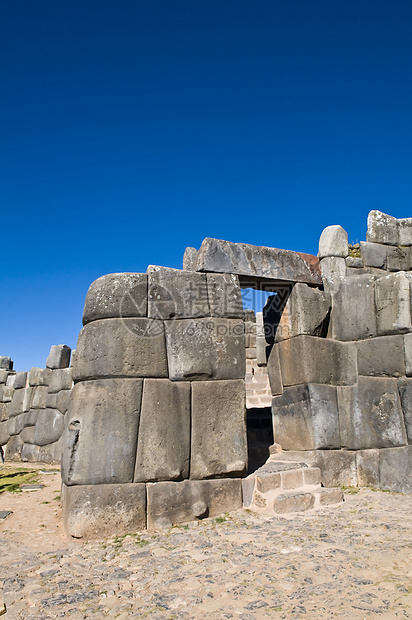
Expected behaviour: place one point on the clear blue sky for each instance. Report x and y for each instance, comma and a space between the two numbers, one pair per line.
134, 128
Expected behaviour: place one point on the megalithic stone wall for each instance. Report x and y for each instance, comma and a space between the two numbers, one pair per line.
32, 408
156, 430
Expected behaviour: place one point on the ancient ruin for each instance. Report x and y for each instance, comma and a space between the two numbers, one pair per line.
185, 405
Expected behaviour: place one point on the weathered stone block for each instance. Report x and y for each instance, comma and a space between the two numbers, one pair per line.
103, 415
330, 496
59, 356
338, 467
21, 401
219, 446
4, 433
3, 375
382, 228
63, 400
312, 476
405, 231
307, 359
205, 349
6, 393
306, 312
27, 434
225, 297
17, 380
116, 295
121, 348
305, 417
51, 401
49, 427
274, 372
353, 311
405, 393
175, 294
407, 343
16, 424
169, 503
262, 262
39, 397
292, 479
13, 448
61, 379
370, 414
333, 270
398, 259
381, 357
266, 482
190, 259
102, 510
263, 350
4, 411
295, 502
333, 242
374, 254
6, 363
395, 469
367, 465
39, 376
353, 263
393, 303
163, 448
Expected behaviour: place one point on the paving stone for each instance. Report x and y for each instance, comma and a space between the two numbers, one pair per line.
189, 259
353, 311
393, 304
382, 228
116, 295
381, 357
333, 242
59, 356
225, 298
173, 293
306, 312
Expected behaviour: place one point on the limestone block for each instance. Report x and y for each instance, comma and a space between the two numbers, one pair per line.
353, 310
4, 433
6, 393
395, 469
274, 372
116, 295
39, 376
175, 294
333, 270
103, 510
190, 259
13, 448
367, 465
370, 414
169, 503
219, 446
381, 357
6, 363
262, 262
382, 228
3, 376
39, 397
61, 379
393, 304
100, 438
59, 356
21, 401
27, 434
398, 259
121, 348
307, 359
17, 380
374, 254
306, 312
63, 400
163, 448
333, 242
225, 298
49, 427
405, 231
405, 393
205, 349
305, 417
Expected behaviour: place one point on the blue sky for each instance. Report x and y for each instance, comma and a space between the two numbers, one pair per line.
132, 129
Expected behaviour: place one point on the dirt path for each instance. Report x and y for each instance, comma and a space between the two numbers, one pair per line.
349, 562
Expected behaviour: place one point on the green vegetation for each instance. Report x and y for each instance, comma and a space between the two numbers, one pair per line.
11, 478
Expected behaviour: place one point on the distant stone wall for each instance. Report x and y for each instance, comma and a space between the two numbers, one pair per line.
32, 408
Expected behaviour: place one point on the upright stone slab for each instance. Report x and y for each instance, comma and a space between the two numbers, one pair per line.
275, 372
353, 311
163, 448
121, 348
370, 414
381, 357
116, 295
333, 270
306, 312
382, 228
306, 359
305, 417
59, 356
393, 304
100, 438
219, 446
333, 242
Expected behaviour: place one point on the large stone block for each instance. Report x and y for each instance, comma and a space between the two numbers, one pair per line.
274, 372
219, 446
42, 454
6, 363
100, 511
16, 424
382, 228
405, 393
169, 503
261, 262
39, 398
100, 438
405, 231
62, 400
6, 394
39, 376
381, 357
3, 376
407, 343
374, 254
225, 297
49, 427
13, 448
333, 242
27, 434
61, 379
17, 380
4, 411
121, 348
116, 295
189, 259
4, 433
333, 270
175, 294
306, 312
393, 304
353, 311
307, 359
21, 401
163, 448
338, 467
395, 469
370, 414
367, 465
398, 259
59, 356
205, 349
305, 417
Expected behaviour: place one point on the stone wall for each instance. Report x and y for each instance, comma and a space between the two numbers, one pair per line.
32, 408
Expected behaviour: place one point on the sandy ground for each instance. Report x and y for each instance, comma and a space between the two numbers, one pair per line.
354, 561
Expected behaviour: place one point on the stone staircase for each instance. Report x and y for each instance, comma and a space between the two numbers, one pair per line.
284, 487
